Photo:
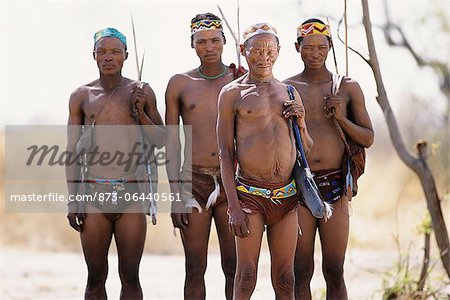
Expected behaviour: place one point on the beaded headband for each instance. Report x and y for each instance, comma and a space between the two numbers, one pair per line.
206, 25
259, 28
314, 28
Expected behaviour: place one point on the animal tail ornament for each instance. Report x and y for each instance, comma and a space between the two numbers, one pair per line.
214, 195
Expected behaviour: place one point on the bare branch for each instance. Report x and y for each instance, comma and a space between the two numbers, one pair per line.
425, 264
349, 47
418, 165
236, 38
238, 23
346, 37
389, 28
332, 47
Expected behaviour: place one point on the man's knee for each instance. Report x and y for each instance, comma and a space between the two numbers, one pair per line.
246, 279
97, 275
129, 274
284, 282
303, 273
334, 274
229, 268
195, 269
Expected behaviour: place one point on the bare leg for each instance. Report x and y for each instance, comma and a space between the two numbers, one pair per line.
95, 240
227, 248
129, 233
195, 242
304, 255
248, 250
334, 238
282, 238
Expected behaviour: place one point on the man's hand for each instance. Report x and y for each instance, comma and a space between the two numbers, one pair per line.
138, 99
178, 215
75, 218
238, 222
334, 106
293, 108
240, 71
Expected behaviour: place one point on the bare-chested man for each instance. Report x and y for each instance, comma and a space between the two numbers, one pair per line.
253, 127
108, 101
193, 97
347, 107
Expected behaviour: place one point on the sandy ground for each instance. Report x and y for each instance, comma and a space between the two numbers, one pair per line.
40, 256
52, 275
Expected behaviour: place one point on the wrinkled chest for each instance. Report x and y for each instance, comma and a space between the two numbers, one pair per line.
253, 105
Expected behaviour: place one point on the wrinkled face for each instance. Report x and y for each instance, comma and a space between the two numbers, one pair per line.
261, 52
208, 45
110, 54
314, 50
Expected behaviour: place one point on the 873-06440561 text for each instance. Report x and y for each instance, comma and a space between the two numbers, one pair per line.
97, 196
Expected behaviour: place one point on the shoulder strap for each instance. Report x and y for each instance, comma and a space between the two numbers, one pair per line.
296, 130
104, 105
335, 86
290, 90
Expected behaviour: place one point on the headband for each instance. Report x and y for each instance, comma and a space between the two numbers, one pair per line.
314, 28
109, 32
259, 28
206, 25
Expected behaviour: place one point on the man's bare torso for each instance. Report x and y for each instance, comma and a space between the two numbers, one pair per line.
328, 149
112, 141
198, 108
264, 143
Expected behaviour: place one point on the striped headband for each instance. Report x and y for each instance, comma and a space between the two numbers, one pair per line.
259, 28
206, 25
314, 28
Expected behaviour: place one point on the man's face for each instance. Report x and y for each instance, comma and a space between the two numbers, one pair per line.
110, 54
261, 53
314, 50
208, 45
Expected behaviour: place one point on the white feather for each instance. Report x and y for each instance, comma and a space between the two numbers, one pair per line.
328, 210
214, 195
192, 203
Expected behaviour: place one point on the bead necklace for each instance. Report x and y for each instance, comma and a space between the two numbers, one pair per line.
199, 70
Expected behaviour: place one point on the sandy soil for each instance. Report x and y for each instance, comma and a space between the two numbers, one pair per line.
53, 275
40, 256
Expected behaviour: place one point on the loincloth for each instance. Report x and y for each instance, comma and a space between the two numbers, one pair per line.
330, 183
271, 207
116, 196
202, 187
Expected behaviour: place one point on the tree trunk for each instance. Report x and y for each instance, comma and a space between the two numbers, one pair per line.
418, 165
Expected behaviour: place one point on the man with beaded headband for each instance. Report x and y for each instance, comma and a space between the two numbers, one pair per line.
192, 95
336, 112
253, 128
108, 100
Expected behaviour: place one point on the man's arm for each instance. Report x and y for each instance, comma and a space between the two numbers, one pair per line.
359, 129
148, 114
307, 139
296, 108
173, 149
74, 123
238, 221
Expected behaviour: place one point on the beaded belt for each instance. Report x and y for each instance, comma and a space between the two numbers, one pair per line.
279, 193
